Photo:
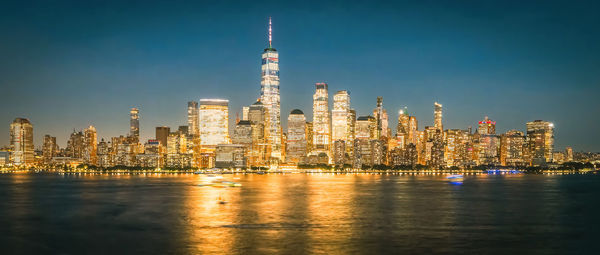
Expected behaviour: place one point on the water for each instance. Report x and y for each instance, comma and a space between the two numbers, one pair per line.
299, 214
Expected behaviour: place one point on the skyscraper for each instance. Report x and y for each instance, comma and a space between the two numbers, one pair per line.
321, 133
512, 145
90, 149
437, 115
296, 137
402, 128
382, 119
162, 134
540, 140
50, 148
214, 122
21, 142
134, 124
340, 118
193, 116
487, 127
269, 95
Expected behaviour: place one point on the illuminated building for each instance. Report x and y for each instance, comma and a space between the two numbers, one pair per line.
402, 129
569, 154
21, 142
488, 149
381, 118
134, 124
455, 153
257, 115
230, 156
76, 145
309, 137
413, 135
321, 134
512, 146
366, 127
540, 141
296, 137
152, 156
245, 111
193, 118
242, 133
104, 154
50, 148
270, 97
177, 153
558, 157
214, 122
437, 116
162, 133
487, 127
340, 118
339, 152
90, 148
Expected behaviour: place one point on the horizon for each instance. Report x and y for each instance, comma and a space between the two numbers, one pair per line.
91, 72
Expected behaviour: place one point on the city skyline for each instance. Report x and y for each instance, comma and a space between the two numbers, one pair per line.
111, 120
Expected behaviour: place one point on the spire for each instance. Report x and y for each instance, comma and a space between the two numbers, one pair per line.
270, 36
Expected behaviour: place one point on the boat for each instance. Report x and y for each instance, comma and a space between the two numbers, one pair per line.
218, 182
455, 177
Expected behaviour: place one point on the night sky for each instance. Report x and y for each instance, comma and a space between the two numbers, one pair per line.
67, 65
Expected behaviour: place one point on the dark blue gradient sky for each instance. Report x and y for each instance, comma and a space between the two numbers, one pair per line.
66, 65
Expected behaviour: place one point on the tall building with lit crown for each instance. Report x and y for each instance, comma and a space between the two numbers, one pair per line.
487, 127
134, 124
193, 118
296, 137
214, 122
402, 129
321, 133
90, 149
540, 141
270, 96
437, 116
340, 116
21, 142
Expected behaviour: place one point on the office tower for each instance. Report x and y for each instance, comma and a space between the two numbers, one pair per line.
321, 131
49, 149
76, 145
437, 114
193, 118
413, 126
258, 117
402, 128
230, 156
184, 130
540, 140
455, 149
214, 122
245, 111
296, 137
309, 137
488, 149
242, 133
340, 119
382, 119
339, 152
134, 124
176, 148
162, 134
21, 142
90, 147
269, 95
487, 127
104, 154
568, 154
512, 145
366, 127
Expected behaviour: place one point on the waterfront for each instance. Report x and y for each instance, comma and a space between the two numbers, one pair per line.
299, 213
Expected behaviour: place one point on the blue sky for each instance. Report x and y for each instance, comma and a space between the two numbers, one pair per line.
69, 64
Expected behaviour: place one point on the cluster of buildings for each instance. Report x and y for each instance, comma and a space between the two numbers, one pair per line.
336, 136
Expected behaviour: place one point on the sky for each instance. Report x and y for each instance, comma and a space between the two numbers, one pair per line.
66, 65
